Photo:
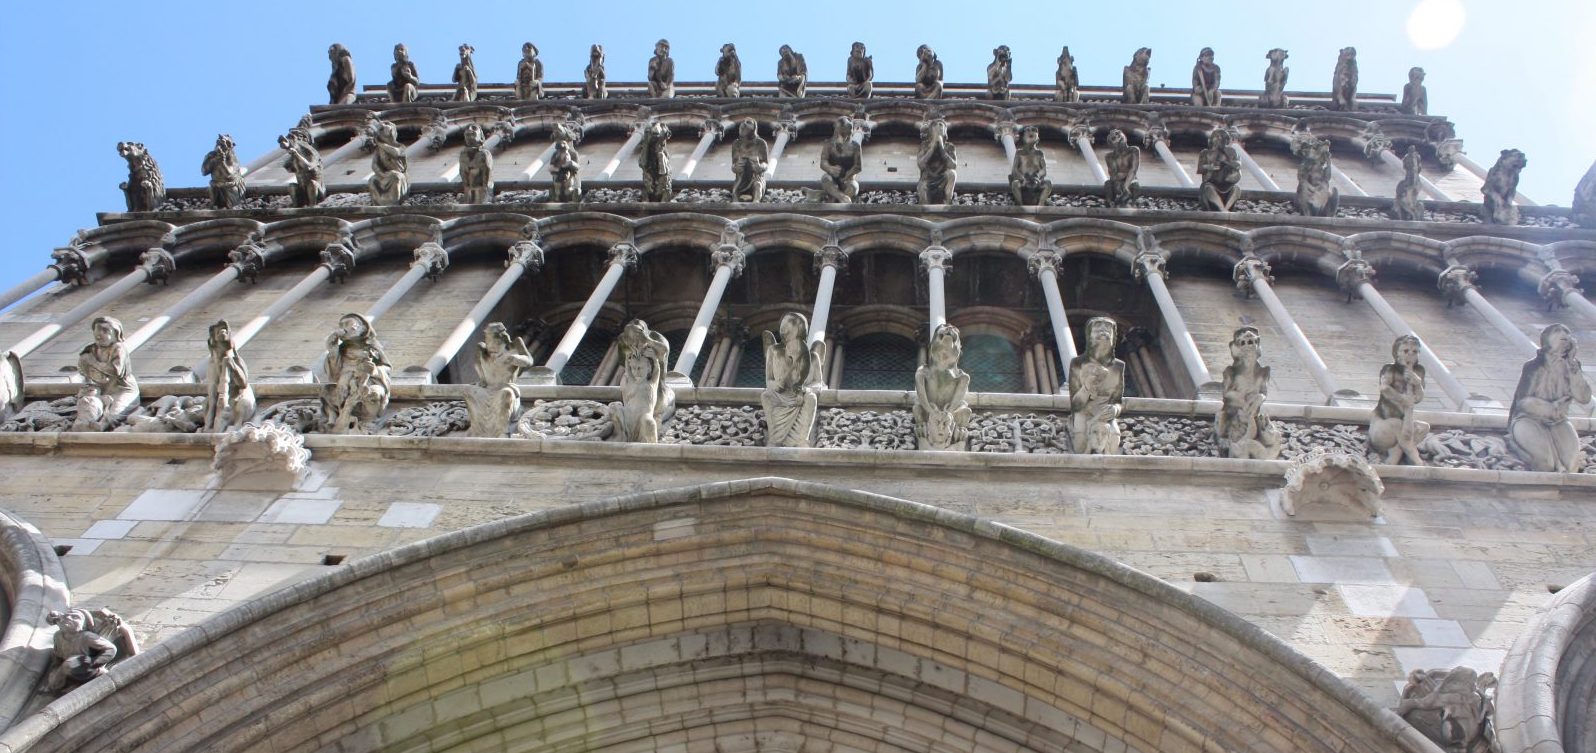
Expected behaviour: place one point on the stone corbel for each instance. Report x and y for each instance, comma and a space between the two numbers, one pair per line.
1150, 257
249, 259
71, 264
712, 127
505, 131
1247, 270
1080, 131
368, 136
1044, 258
1339, 478
526, 253
624, 254
1007, 128
1555, 286
833, 256
787, 126
863, 125
339, 259
1353, 273
433, 256
732, 251
1374, 141
1455, 282
158, 265
935, 257
1155, 134
436, 133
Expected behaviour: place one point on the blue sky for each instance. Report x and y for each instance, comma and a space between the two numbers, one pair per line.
82, 76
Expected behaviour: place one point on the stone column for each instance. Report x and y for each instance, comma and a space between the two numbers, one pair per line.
708, 133
1346, 183
623, 256
524, 255
360, 143
1251, 164
828, 260
935, 261
1158, 137
1149, 266
785, 131
1044, 263
1357, 277
26, 287
1005, 135
1457, 284
429, 261
1481, 172
1080, 137
432, 137
1252, 275
729, 258
337, 261
1559, 288
155, 265
633, 138
198, 297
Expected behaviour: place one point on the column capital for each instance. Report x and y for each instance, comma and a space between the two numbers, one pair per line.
730, 255
1044, 258
1374, 140
862, 126
1557, 284
831, 255
368, 133
936, 257
624, 254
1250, 271
158, 265
1352, 274
249, 259
526, 253
433, 256
571, 130
436, 134
1454, 282
712, 128
339, 259
71, 263
504, 131
788, 126
1007, 128
1156, 132
1079, 131
1150, 257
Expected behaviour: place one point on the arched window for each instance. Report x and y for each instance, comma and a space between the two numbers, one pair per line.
879, 361
994, 364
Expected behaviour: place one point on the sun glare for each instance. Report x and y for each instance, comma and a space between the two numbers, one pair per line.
1434, 24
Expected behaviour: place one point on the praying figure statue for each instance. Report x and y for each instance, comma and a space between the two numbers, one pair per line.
1315, 196
941, 411
388, 183
1123, 162
655, 162
593, 76
1344, 84
861, 72
1000, 73
1205, 80
1501, 185
1406, 204
1134, 91
109, 392
662, 72
792, 74
1415, 98
1394, 432
646, 400
1274, 91
1242, 428
227, 176
1538, 429
841, 159
1028, 183
794, 370
1097, 392
927, 74
341, 84
358, 386
565, 164
728, 72
476, 167
1220, 170
229, 398
305, 163
1066, 80
145, 189
465, 76
1583, 208
404, 82
938, 162
85, 645
750, 159
529, 74
495, 400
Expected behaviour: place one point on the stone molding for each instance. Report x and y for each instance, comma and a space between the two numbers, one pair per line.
1541, 692
35, 587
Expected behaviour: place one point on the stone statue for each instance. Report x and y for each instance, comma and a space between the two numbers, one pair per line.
388, 183
227, 176
404, 81
927, 74
1097, 392
109, 392
529, 74
145, 189
1393, 430
564, 167
1220, 171
662, 72
794, 370
1583, 208
593, 75
1455, 708
861, 72
1406, 204
465, 76
792, 74
305, 163
341, 84
655, 162
1315, 196
358, 386
1123, 162
1205, 80
1274, 91
1135, 86
171, 414
1000, 73
476, 167
85, 645
728, 72
841, 159
1066, 80
1415, 98
941, 413
750, 158
495, 400
1028, 182
1344, 84
229, 399
1242, 428
1501, 185
938, 162
1538, 430
646, 400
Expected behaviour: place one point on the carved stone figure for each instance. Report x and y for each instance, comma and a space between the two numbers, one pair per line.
1220, 170
494, 401
728, 72
1583, 209
1274, 91
226, 174
85, 645
655, 162
1393, 430
593, 75
1406, 204
794, 370
1066, 80
646, 400
941, 413
841, 159
1205, 80
1134, 91
1315, 196
938, 162
465, 76
1000, 73
171, 414
1344, 83
261, 456
662, 72
1097, 392
1332, 476
750, 158
1123, 162
109, 392
1455, 708
1538, 429
1028, 182
1501, 184
1415, 98
229, 399
564, 167
403, 82
927, 74
861, 72
357, 374
476, 167
305, 163
529, 73
792, 74
388, 183
1242, 428
341, 84
145, 189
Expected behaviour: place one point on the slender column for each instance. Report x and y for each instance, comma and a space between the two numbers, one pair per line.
838, 351
1055, 384
524, 255
1346, 183
1005, 136
337, 261
275, 154
1502, 323
429, 261
622, 256
359, 143
1457, 285
829, 259
1252, 165
1449, 383
1159, 138
432, 138
1482, 173
708, 133
26, 287
605, 373
1029, 360
154, 265
1558, 287
198, 297
935, 260
1044, 263
1080, 137
715, 360
634, 138
1253, 274
785, 130
729, 258
537, 164
1149, 266
1390, 158
734, 358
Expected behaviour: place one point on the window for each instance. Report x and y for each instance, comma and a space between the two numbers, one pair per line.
994, 364
879, 362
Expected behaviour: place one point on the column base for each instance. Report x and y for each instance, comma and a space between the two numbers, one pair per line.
1351, 399
174, 375
678, 380
413, 375
1484, 405
539, 376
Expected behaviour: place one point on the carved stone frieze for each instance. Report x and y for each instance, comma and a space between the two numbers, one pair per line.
1037, 434
302, 415
1168, 436
1460, 448
723, 426
42, 416
171, 414
576, 420
434, 419
867, 429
